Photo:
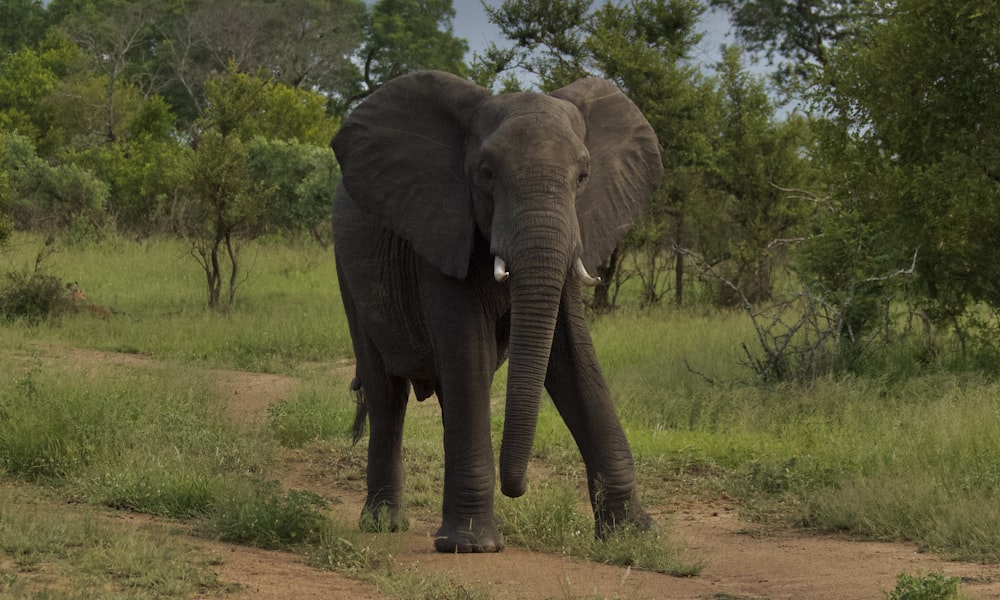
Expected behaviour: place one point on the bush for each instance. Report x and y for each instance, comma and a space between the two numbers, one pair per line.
34, 296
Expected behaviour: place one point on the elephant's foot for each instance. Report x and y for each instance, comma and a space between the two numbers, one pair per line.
383, 518
627, 516
468, 535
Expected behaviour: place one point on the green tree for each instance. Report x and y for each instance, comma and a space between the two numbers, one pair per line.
230, 183
249, 105
797, 37
296, 180
304, 44
49, 198
218, 206
750, 217
143, 173
118, 36
549, 44
915, 152
28, 77
22, 24
406, 35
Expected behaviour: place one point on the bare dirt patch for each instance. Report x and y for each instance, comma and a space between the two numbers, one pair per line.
741, 560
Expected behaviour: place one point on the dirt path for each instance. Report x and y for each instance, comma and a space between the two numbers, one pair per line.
741, 560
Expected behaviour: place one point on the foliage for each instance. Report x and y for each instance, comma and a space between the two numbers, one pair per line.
249, 106
233, 191
48, 198
28, 77
912, 158
144, 175
296, 182
33, 296
22, 24
219, 206
802, 33
747, 219
403, 36
933, 586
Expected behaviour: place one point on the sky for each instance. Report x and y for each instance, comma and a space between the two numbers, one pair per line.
472, 24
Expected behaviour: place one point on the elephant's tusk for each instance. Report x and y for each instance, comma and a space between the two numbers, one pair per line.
581, 272
500, 272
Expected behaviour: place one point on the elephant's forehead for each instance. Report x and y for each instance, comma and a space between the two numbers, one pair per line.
534, 113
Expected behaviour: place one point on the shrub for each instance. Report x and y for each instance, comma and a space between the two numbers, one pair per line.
33, 296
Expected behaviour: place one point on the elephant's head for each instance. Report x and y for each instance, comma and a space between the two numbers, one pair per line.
552, 181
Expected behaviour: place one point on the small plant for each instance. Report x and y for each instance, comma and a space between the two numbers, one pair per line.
933, 586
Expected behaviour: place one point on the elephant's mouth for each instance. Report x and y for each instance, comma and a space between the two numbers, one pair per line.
501, 274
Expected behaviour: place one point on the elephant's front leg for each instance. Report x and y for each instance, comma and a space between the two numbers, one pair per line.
581, 395
468, 523
466, 355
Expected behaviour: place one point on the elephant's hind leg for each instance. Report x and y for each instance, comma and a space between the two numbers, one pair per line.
386, 397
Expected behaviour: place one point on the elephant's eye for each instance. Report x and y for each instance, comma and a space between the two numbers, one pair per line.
582, 178
486, 172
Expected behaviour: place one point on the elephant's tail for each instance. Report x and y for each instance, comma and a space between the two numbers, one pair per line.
361, 416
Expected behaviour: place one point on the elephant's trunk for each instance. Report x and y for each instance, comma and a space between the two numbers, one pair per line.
537, 275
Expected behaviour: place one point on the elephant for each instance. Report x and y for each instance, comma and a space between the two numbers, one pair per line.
464, 227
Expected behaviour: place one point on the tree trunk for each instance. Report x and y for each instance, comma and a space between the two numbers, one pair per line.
602, 298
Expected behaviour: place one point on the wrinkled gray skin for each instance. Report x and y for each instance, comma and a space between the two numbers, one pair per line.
439, 179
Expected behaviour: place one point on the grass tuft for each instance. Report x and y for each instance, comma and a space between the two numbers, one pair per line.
258, 514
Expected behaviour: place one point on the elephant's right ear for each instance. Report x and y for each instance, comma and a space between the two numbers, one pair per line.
402, 154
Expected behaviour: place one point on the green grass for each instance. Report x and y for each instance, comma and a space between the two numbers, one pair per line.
551, 518
81, 555
287, 311
888, 453
915, 459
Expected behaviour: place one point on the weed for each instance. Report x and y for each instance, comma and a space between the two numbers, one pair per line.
933, 586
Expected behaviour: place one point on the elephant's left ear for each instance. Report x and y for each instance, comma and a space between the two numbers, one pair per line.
625, 166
